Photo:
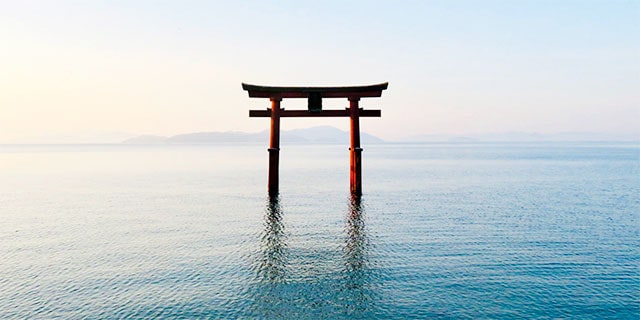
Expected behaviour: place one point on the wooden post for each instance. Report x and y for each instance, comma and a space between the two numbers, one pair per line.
355, 153
274, 146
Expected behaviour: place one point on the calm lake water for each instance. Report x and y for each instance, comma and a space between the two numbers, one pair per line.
450, 231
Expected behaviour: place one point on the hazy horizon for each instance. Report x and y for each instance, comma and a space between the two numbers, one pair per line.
515, 136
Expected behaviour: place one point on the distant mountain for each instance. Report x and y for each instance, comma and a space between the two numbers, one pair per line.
332, 135
314, 135
324, 134
216, 137
524, 137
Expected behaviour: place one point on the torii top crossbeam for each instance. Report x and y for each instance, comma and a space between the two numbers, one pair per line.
315, 96
325, 92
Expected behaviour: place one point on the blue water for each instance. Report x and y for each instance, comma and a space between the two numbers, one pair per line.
444, 231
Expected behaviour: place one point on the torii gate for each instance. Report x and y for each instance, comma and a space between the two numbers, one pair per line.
314, 96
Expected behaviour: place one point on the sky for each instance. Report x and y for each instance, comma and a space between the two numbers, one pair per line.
454, 67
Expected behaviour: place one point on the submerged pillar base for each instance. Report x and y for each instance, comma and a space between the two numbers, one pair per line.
274, 159
356, 171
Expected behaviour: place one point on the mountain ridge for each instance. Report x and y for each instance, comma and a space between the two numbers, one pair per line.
313, 135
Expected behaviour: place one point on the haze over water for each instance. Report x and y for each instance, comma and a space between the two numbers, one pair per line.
483, 230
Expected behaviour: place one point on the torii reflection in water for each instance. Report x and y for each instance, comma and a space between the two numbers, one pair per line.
279, 292
272, 262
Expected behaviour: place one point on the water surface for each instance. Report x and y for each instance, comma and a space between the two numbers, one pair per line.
536, 230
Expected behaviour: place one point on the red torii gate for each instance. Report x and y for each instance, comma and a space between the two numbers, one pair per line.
314, 96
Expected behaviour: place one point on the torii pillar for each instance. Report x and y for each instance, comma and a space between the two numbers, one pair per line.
315, 96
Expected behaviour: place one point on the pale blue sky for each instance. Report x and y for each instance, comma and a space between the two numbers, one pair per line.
460, 67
